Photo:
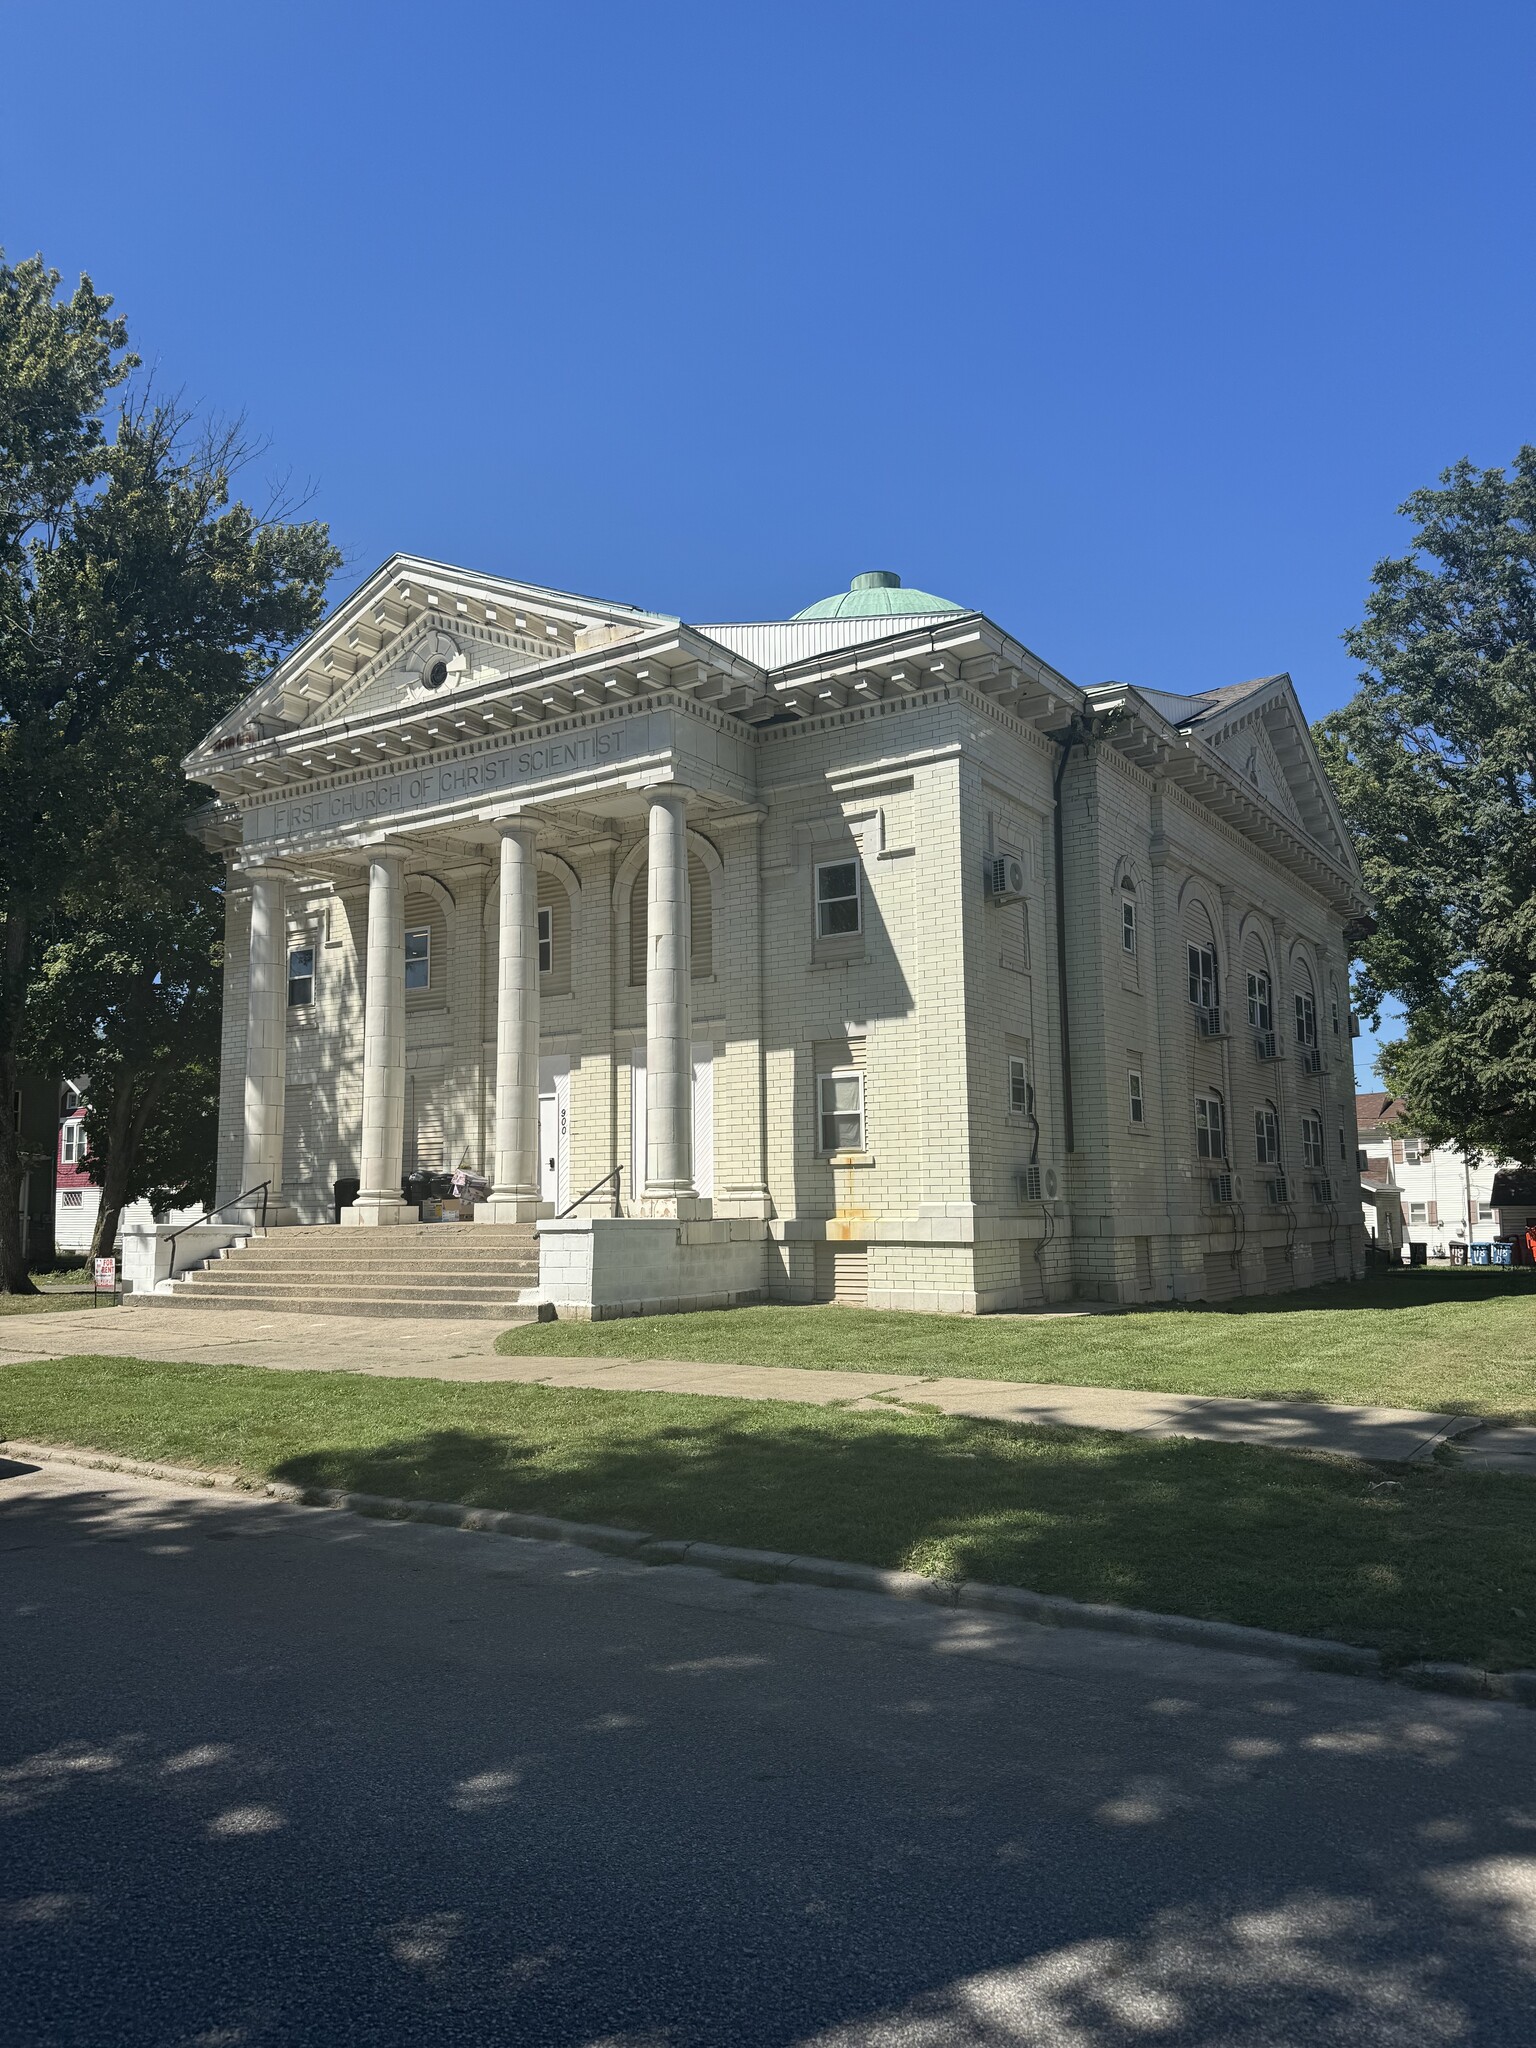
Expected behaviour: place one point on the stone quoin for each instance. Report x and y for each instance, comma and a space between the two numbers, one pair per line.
882, 962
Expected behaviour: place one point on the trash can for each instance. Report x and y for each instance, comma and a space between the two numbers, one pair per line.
1478, 1254
1418, 1252
344, 1194
1502, 1252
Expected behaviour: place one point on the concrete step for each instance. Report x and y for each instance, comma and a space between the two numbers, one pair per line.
294, 1236
405, 1269
310, 1290
280, 1301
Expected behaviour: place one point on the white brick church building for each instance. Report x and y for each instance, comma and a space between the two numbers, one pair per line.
866, 956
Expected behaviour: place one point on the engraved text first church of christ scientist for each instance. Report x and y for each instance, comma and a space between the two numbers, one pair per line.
884, 963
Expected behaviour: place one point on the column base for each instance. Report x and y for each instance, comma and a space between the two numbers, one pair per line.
509, 1209
278, 1214
370, 1211
683, 1204
749, 1199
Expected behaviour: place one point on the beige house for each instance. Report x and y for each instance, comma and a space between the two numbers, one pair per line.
856, 956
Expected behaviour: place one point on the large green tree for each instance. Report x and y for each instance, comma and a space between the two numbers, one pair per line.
1434, 761
139, 601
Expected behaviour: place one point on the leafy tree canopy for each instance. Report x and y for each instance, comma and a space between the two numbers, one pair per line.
1434, 760
140, 600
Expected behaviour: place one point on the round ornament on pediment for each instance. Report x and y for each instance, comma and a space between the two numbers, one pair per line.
436, 663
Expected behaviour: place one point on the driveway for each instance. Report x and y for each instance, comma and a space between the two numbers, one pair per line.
273, 1775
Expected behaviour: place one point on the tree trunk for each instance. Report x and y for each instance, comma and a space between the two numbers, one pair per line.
14, 1278
132, 1108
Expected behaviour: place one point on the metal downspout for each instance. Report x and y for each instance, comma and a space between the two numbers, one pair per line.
1078, 730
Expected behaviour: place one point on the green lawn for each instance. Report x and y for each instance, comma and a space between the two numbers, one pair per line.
50, 1299
1432, 1562
1452, 1340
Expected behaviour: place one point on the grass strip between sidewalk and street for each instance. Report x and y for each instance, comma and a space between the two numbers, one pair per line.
1418, 1562
1458, 1342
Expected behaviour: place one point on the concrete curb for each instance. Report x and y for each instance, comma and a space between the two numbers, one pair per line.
770, 1567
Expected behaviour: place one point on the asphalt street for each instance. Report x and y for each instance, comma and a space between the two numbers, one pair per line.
278, 1775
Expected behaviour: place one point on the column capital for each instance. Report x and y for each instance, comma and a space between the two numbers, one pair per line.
668, 793
524, 830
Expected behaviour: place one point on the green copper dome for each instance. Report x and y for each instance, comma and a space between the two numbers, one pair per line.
877, 594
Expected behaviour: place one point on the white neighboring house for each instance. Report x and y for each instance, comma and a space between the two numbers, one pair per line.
1445, 1199
77, 1200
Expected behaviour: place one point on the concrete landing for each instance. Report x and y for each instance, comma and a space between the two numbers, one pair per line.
460, 1350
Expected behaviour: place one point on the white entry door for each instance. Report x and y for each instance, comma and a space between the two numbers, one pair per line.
703, 1121
555, 1131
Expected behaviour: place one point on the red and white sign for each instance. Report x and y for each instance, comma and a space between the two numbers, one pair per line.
106, 1274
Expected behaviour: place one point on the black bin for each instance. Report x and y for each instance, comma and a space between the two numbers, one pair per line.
345, 1194
1418, 1253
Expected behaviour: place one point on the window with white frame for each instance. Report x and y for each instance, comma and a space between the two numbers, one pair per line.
1021, 1094
1333, 1004
1306, 1018
1418, 1212
839, 913
840, 1102
73, 1146
74, 1198
1485, 1212
1202, 977
1128, 921
418, 958
1136, 1100
1210, 1127
1266, 1135
546, 939
1415, 1152
1312, 1141
301, 976
1261, 1014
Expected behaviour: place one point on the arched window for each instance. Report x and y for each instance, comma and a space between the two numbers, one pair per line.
1211, 1127
1266, 1135
1128, 934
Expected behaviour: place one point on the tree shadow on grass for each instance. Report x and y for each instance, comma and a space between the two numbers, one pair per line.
1425, 1563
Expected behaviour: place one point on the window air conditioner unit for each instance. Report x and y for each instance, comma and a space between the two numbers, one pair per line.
1221, 1188
1027, 1183
1264, 1045
1208, 1023
1311, 1059
1278, 1191
1004, 875
1322, 1192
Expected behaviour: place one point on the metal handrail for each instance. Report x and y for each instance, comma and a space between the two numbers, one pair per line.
261, 1188
616, 1176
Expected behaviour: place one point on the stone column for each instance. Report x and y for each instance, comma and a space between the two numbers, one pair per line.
515, 1183
669, 1189
379, 1199
266, 1035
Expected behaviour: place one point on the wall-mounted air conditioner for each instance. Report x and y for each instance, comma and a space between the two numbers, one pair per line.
1003, 877
1027, 1184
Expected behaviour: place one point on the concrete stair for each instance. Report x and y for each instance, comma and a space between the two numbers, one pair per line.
477, 1272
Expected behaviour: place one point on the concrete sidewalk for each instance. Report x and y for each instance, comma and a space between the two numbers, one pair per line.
448, 1350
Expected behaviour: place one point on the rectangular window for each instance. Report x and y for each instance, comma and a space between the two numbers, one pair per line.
546, 939
1128, 924
1260, 1011
1202, 977
1306, 1019
1312, 1141
1485, 1212
837, 900
1266, 1137
301, 976
1334, 1006
1415, 1152
1021, 1096
1210, 1126
1137, 1102
73, 1199
1418, 1212
74, 1142
418, 959
841, 1103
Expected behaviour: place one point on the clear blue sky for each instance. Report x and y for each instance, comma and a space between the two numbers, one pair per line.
1129, 324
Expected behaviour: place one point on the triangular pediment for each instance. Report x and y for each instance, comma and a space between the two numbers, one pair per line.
1259, 732
417, 630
